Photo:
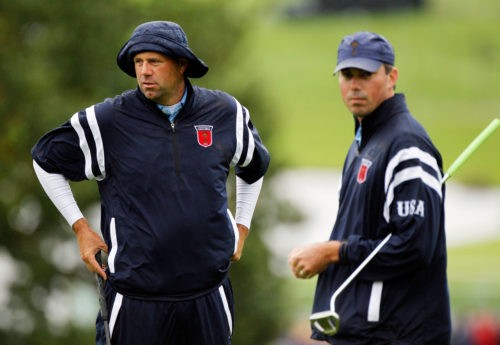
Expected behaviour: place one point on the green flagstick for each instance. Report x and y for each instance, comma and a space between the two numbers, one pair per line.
480, 139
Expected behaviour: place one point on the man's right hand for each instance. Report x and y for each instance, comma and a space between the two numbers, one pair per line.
307, 261
89, 243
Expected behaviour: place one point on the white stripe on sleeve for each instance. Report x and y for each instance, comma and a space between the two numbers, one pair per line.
84, 146
407, 154
251, 141
407, 175
96, 133
239, 134
411, 173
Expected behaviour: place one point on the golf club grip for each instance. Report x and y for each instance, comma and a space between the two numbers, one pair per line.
100, 290
471, 148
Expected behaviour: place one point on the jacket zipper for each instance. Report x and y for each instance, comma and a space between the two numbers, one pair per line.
175, 150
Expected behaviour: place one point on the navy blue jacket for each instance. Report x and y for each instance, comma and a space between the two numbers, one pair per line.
164, 209
391, 183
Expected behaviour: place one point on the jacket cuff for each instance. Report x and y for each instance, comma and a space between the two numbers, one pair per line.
343, 260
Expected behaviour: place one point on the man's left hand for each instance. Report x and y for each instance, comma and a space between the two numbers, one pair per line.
243, 230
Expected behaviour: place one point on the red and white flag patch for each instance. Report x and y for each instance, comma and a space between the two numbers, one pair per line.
363, 170
204, 135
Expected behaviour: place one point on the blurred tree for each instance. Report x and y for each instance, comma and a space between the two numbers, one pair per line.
57, 57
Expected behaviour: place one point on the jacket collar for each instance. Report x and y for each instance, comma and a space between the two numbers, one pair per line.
153, 105
385, 111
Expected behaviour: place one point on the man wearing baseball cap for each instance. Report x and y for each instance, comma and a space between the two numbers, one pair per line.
160, 154
391, 184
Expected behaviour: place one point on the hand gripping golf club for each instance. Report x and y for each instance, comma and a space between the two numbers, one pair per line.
328, 321
102, 300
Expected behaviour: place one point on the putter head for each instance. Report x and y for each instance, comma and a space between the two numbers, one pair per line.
327, 322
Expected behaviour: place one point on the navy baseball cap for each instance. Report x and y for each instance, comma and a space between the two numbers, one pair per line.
364, 50
163, 37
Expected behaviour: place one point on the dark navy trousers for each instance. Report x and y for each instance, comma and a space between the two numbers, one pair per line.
206, 320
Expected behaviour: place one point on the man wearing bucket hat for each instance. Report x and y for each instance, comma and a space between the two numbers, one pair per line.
391, 184
161, 155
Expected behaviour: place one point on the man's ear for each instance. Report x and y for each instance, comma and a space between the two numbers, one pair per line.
393, 76
183, 64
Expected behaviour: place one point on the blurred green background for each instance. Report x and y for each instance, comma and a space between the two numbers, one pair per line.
58, 57
448, 55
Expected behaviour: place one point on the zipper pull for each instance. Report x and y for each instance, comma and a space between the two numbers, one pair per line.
172, 125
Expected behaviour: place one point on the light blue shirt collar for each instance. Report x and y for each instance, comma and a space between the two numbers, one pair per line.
173, 110
358, 136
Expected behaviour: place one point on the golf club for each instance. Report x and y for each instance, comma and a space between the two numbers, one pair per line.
473, 146
102, 300
328, 321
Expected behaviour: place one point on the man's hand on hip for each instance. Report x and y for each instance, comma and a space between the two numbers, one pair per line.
90, 243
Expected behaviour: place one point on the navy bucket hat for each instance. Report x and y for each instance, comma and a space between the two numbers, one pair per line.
364, 50
163, 37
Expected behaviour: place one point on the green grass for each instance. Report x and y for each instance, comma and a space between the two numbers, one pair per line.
474, 276
449, 61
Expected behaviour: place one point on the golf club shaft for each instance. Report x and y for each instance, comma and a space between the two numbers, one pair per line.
357, 270
473, 146
102, 300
